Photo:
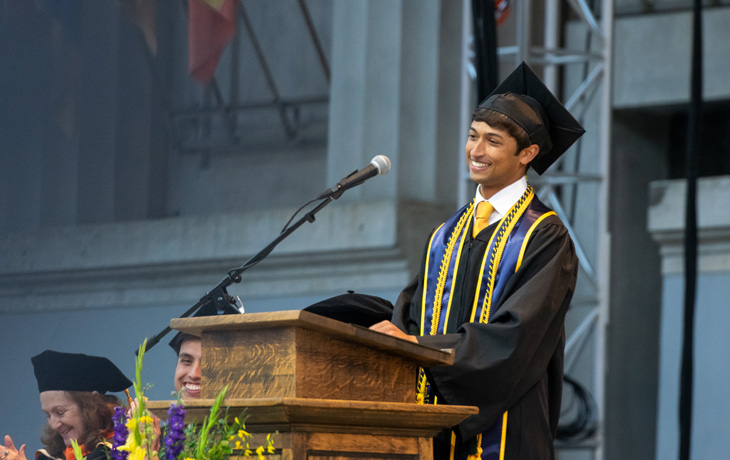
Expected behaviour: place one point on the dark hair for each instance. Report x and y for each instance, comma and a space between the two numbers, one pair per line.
501, 121
181, 338
96, 411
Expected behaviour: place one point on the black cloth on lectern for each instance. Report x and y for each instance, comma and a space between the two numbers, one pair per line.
359, 309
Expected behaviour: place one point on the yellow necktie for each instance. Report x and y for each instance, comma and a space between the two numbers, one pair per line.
484, 209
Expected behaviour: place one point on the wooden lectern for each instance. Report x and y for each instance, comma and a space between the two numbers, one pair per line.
331, 390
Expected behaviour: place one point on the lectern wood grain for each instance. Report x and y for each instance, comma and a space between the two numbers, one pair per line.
301, 363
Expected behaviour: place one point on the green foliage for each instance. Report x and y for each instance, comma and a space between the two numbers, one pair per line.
214, 439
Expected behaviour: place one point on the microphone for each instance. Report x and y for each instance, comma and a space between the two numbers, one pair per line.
378, 166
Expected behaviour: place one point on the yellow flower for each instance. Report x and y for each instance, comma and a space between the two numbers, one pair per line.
238, 445
130, 445
260, 452
137, 454
132, 424
243, 434
146, 419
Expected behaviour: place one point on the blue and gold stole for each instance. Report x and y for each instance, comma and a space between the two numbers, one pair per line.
500, 261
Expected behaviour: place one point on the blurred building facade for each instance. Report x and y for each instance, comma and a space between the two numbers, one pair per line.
128, 190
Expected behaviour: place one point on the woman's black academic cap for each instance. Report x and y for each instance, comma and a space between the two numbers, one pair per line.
77, 372
525, 99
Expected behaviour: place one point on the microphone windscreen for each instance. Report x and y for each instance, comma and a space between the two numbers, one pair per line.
382, 163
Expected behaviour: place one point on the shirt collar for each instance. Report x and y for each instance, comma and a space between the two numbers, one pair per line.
503, 200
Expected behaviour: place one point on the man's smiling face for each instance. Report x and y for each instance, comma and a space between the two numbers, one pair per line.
493, 160
187, 371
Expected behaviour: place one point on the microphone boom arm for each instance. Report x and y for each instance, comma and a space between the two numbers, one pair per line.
379, 165
219, 295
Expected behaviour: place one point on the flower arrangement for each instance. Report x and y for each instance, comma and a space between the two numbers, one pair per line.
140, 436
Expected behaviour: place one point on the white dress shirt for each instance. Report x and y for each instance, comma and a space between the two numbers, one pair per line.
503, 200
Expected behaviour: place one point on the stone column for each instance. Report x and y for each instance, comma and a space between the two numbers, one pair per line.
364, 91
395, 92
711, 409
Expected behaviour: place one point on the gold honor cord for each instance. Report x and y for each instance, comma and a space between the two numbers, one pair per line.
438, 296
462, 239
500, 241
425, 280
444, 269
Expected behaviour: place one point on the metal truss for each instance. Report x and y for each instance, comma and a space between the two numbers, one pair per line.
215, 121
574, 52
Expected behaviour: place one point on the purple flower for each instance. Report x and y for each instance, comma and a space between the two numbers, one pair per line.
120, 433
174, 431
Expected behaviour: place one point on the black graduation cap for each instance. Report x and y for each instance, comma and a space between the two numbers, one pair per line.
77, 372
359, 309
208, 309
525, 99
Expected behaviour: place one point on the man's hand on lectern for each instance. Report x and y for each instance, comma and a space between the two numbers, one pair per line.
386, 327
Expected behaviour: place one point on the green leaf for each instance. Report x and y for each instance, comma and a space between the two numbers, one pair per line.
77, 450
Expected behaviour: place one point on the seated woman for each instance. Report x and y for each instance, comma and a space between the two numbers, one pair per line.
72, 390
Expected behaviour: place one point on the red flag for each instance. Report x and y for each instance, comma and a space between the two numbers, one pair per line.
211, 25
501, 11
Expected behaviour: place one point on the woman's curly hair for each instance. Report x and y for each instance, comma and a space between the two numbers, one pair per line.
96, 411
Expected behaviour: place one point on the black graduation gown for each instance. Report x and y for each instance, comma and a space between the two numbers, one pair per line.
101, 452
515, 362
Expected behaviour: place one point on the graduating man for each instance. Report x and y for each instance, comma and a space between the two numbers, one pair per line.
496, 282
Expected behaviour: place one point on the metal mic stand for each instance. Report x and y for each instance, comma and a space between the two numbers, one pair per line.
219, 295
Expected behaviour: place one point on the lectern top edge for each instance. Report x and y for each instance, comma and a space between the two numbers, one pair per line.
426, 356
